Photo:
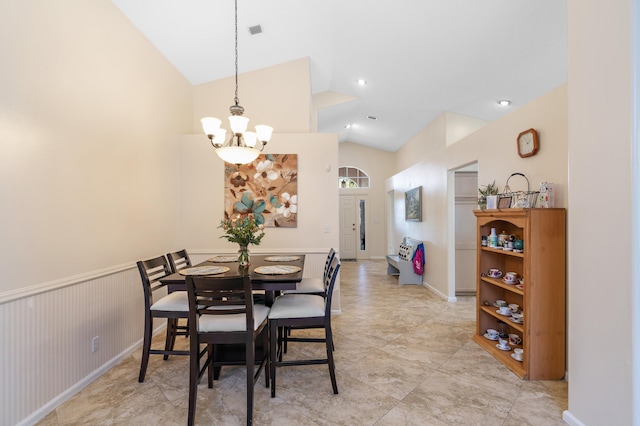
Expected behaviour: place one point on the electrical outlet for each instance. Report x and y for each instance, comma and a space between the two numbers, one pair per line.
95, 344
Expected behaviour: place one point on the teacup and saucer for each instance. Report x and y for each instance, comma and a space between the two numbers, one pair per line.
495, 273
503, 344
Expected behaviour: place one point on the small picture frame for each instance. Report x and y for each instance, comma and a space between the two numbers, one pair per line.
504, 202
413, 205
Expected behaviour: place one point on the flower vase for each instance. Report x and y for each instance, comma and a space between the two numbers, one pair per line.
244, 258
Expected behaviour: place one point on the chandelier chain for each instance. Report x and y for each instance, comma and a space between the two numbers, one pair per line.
236, 16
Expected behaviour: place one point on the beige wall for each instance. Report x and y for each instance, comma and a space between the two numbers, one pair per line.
379, 165
601, 292
493, 147
278, 96
89, 118
202, 195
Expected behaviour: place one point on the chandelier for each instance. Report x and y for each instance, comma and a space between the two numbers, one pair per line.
242, 147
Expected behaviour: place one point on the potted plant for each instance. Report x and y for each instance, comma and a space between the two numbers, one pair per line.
486, 191
243, 230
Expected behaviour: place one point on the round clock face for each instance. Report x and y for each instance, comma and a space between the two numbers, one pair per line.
527, 143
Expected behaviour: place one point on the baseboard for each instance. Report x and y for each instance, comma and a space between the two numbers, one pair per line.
43, 411
570, 419
439, 293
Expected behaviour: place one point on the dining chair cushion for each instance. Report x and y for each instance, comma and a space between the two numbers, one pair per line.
176, 301
232, 322
308, 285
297, 306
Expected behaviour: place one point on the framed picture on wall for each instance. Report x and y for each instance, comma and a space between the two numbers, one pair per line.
413, 205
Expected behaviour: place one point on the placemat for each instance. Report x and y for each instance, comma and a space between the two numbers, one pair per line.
204, 270
281, 258
277, 269
223, 259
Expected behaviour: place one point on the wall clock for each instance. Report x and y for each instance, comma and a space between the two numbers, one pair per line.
528, 143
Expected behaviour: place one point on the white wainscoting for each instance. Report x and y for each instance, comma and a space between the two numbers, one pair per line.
45, 344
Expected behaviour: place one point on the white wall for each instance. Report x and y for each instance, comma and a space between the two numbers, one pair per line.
600, 149
494, 148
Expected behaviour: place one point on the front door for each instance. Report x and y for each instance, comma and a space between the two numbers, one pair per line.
348, 232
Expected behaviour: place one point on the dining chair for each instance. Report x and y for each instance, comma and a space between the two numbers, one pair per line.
221, 312
179, 260
307, 311
308, 285
314, 285
172, 306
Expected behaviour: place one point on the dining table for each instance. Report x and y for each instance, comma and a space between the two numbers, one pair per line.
269, 272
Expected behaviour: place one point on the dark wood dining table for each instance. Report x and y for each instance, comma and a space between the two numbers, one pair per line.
271, 283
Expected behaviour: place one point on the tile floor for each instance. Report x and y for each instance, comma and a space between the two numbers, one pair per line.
403, 357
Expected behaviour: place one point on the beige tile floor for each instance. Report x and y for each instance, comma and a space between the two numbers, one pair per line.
403, 357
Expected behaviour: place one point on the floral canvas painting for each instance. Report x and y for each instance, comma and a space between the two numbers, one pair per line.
267, 187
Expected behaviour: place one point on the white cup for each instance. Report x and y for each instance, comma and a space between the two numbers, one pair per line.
518, 353
505, 310
517, 316
492, 333
504, 343
511, 277
514, 307
514, 339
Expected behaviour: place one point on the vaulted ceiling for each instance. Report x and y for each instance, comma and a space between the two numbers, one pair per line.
419, 58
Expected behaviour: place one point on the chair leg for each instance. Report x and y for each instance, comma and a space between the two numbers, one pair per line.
146, 347
273, 328
266, 348
332, 366
210, 365
194, 369
170, 337
250, 355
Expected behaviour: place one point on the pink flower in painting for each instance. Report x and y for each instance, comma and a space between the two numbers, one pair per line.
289, 204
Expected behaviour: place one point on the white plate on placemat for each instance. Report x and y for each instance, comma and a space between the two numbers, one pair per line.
277, 270
281, 258
204, 270
223, 259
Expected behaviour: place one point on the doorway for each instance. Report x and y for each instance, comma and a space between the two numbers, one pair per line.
466, 200
353, 227
348, 227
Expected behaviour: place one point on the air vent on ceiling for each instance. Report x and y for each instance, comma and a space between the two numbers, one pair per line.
371, 117
256, 29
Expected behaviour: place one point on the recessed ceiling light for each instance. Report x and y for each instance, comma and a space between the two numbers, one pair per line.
504, 102
371, 117
348, 126
362, 82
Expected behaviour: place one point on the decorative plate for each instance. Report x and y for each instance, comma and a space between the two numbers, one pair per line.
204, 270
223, 259
281, 258
277, 269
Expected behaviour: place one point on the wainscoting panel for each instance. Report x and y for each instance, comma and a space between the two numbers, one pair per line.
45, 345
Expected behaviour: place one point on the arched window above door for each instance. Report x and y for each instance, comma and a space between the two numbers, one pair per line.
352, 177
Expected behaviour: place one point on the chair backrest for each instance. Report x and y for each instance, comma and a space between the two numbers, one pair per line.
329, 282
151, 271
219, 296
327, 263
179, 260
